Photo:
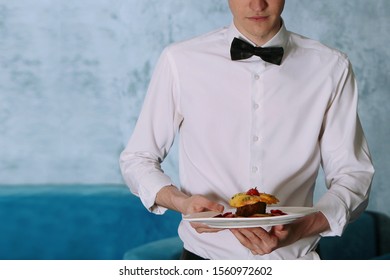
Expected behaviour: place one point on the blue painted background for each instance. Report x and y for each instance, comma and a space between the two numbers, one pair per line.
73, 74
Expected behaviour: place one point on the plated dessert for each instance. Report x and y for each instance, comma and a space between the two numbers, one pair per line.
252, 204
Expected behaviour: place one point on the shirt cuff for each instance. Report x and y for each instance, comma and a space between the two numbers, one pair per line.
147, 192
335, 212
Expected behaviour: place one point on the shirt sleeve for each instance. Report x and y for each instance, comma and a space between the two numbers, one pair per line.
153, 136
346, 159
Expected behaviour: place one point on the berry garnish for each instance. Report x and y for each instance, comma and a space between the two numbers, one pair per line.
225, 215
277, 212
253, 191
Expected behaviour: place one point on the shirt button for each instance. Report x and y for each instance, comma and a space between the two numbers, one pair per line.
256, 76
255, 138
256, 106
255, 169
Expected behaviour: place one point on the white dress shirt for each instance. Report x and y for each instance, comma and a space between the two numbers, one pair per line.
243, 124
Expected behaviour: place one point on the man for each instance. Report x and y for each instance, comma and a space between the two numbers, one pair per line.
266, 121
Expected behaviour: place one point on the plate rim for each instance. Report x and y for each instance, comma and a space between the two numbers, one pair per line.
221, 222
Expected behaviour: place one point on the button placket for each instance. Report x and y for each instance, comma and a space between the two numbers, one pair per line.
256, 147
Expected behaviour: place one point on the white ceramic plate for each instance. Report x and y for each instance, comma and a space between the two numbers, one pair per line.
209, 218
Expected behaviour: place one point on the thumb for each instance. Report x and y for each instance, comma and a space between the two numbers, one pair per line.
277, 228
200, 204
213, 206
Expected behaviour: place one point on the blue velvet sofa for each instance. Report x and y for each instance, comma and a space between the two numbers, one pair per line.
107, 222
76, 222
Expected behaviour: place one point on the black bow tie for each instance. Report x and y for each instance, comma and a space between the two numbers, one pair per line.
243, 50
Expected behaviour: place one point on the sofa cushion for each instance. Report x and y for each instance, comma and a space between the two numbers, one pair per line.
164, 249
358, 242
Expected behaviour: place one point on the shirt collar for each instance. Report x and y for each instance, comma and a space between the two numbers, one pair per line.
279, 40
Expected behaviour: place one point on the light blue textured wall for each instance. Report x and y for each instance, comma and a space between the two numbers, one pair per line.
73, 74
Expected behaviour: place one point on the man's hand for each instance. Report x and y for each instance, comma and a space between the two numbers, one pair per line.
261, 242
174, 199
196, 204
